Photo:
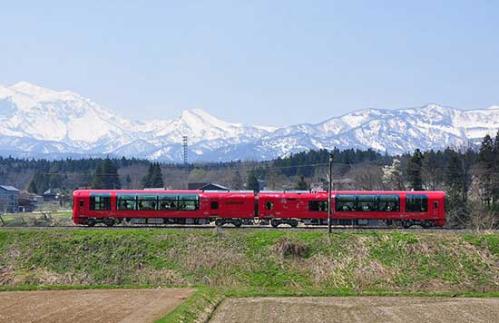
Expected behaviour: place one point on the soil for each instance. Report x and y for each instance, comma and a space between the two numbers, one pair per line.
357, 309
106, 305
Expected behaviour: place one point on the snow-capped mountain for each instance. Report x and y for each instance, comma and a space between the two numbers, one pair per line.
39, 122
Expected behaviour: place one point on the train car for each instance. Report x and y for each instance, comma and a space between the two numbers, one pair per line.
109, 207
292, 207
354, 208
401, 208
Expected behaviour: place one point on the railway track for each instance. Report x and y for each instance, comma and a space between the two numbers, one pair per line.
244, 227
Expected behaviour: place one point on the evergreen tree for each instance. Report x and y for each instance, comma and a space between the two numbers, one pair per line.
457, 183
128, 181
146, 180
106, 176
236, 182
486, 169
156, 179
495, 174
252, 182
302, 185
32, 187
414, 169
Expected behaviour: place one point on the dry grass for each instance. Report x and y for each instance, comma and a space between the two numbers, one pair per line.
286, 247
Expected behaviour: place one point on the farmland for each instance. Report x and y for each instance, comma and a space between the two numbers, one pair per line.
248, 262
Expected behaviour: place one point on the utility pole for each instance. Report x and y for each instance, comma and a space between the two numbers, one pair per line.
186, 168
329, 192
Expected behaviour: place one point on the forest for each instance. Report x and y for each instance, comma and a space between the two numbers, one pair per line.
469, 177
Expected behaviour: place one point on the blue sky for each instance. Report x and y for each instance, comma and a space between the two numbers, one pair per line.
262, 62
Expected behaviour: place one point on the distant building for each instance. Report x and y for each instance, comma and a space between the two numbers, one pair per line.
28, 202
9, 199
207, 187
51, 195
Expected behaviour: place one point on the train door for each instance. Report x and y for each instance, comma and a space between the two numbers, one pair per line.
435, 205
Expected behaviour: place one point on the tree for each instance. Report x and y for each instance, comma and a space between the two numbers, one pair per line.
414, 169
128, 181
392, 175
457, 182
252, 182
157, 178
236, 182
302, 185
495, 175
106, 176
154, 177
486, 169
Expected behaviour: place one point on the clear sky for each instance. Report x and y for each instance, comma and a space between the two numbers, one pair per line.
263, 62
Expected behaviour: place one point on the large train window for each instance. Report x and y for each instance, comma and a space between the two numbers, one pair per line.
167, 202
416, 203
345, 202
188, 202
367, 203
389, 203
317, 206
100, 202
127, 202
147, 202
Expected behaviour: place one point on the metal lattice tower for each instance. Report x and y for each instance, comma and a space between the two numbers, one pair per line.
184, 139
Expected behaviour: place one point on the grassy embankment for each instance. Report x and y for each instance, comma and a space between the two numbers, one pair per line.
252, 262
37, 219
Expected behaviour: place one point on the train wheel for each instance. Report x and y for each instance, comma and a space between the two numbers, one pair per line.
109, 222
274, 223
219, 223
294, 223
238, 223
91, 222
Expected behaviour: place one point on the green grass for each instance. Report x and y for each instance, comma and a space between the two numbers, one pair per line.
252, 262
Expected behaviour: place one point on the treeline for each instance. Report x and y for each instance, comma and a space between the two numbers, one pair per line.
470, 178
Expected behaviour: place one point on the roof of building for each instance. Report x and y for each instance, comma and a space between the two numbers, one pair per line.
9, 188
207, 187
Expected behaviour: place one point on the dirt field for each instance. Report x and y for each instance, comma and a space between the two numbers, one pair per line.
117, 305
357, 309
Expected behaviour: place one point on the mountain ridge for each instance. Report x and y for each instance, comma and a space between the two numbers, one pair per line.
40, 122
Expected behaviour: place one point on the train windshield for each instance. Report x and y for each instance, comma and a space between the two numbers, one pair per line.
416, 203
100, 202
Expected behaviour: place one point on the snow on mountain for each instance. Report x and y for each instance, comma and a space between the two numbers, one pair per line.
39, 122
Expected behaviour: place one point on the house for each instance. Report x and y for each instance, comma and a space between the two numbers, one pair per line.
28, 202
51, 195
9, 199
207, 187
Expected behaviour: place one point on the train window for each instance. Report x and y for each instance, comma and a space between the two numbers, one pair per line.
269, 205
127, 202
147, 202
388, 203
435, 205
317, 206
167, 202
416, 203
345, 203
82, 203
214, 205
188, 202
366, 203
100, 202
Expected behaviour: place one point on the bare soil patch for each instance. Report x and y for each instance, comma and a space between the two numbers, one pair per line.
357, 309
115, 305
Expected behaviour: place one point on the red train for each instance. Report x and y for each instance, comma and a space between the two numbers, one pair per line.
110, 207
